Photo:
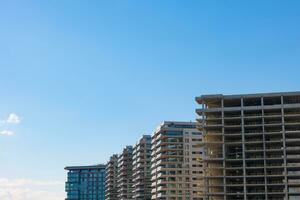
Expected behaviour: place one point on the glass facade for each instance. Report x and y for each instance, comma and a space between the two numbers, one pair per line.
86, 183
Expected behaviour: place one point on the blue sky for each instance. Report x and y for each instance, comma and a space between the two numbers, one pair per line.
88, 77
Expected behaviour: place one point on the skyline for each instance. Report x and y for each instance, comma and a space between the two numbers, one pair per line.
76, 76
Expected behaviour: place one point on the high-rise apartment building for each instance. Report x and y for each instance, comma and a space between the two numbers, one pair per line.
141, 169
252, 146
124, 178
176, 167
85, 182
111, 190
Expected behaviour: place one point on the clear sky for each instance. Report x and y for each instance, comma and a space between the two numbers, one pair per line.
82, 79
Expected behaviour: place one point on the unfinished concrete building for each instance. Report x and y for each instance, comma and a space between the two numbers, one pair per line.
111, 190
252, 146
124, 178
141, 169
176, 162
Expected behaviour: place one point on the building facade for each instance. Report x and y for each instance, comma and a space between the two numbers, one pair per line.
176, 163
141, 169
111, 190
85, 182
124, 178
252, 146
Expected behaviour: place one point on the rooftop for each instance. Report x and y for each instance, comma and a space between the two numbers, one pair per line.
202, 98
99, 166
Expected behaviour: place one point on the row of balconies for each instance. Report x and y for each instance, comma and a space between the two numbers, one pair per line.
270, 164
249, 123
253, 117
236, 141
141, 155
166, 139
267, 122
142, 172
140, 165
237, 182
252, 156
258, 175
124, 162
214, 111
238, 105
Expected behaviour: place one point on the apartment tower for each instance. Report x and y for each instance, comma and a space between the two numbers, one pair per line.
252, 146
141, 169
85, 182
124, 178
111, 190
176, 167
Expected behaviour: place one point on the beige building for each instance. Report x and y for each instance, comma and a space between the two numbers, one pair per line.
111, 189
124, 178
176, 167
252, 145
141, 169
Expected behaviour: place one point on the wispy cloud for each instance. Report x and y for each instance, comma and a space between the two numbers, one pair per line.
28, 189
7, 133
13, 118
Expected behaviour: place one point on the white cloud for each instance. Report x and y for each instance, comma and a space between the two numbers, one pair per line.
28, 189
13, 118
7, 133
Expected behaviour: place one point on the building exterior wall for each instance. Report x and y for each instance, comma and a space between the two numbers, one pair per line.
86, 182
124, 178
251, 145
176, 167
141, 169
111, 190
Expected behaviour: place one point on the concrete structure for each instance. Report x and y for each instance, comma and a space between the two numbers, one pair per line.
86, 182
141, 169
252, 145
176, 162
124, 179
111, 190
